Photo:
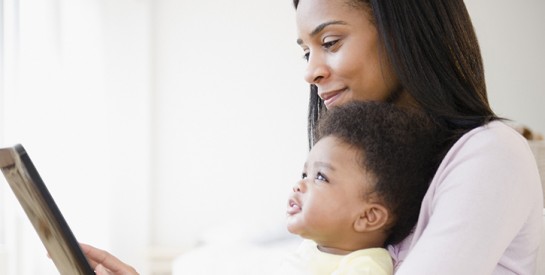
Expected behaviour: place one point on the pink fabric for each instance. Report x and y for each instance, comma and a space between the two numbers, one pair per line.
482, 213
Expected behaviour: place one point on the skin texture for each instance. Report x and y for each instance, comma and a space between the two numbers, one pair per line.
332, 204
344, 55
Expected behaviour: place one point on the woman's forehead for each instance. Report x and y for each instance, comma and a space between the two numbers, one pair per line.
311, 13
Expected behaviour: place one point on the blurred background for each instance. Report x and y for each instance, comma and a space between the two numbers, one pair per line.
156, 122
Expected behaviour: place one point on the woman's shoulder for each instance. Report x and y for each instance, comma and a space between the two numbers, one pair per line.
496, 137
494, 151
489, 172
491, 152
493, 131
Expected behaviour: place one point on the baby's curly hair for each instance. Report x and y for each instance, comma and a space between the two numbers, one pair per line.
399, 146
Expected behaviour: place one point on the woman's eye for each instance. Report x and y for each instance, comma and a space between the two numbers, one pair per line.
329, 44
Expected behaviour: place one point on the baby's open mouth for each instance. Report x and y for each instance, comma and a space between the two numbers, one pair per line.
293, 207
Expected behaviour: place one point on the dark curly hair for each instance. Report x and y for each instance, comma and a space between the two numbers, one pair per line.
399, 146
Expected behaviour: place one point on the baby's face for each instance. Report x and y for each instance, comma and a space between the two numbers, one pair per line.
328, 199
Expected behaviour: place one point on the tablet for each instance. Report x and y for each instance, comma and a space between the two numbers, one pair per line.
43, 213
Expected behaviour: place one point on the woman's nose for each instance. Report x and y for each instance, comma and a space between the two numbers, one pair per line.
317, 69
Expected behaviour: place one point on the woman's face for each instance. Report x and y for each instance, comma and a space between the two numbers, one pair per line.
345, 59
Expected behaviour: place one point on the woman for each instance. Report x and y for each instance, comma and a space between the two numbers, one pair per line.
482, 212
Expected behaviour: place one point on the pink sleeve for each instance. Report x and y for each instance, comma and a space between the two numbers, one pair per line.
482, 213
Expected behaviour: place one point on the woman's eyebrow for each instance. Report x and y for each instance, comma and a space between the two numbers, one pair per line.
321, 27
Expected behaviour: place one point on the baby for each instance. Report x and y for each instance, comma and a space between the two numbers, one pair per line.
361, 188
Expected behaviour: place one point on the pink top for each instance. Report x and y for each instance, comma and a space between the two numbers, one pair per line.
483, 211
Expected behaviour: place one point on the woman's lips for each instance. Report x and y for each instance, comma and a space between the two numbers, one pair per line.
293, 207
329, 98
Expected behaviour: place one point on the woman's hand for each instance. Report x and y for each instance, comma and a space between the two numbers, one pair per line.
105, 263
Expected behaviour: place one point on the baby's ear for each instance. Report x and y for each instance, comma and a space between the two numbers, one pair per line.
373, 217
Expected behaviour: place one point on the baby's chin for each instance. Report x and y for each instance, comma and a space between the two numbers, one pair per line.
294, 227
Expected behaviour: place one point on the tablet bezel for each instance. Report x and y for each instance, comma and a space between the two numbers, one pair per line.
42, 211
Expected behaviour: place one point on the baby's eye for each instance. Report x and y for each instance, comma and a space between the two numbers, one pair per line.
321, 177
306, 56
303, 175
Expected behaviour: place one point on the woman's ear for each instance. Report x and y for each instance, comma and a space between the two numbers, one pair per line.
373, 217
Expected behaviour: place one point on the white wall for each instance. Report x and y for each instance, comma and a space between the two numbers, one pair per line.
128, 72
512, 39
230, 115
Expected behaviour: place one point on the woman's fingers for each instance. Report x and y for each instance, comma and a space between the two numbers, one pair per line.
105, 263
101, 270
